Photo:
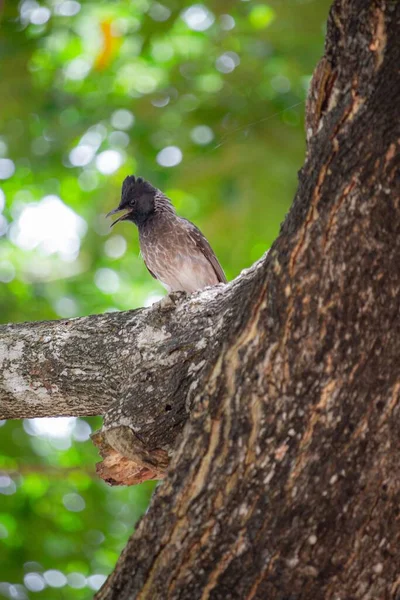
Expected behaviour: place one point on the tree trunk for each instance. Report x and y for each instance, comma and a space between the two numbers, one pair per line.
286, 481
284, 386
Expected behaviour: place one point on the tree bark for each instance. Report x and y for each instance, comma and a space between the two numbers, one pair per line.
286, 480
140, 369
284, 386
80, 366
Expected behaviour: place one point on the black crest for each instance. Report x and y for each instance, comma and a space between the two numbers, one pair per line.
138, 197
134, 188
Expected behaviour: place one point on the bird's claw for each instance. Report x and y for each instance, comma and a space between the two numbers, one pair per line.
171, 300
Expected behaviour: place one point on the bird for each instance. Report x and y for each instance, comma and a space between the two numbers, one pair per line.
174, 250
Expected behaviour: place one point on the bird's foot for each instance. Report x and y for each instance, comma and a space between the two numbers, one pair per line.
171, 300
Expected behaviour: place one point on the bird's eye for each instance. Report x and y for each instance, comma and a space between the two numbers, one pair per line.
132, 203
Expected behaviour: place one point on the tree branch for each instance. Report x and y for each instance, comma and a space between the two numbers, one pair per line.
57, 367
140, 369
79, 366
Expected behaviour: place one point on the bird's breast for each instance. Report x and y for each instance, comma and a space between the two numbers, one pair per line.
175, 260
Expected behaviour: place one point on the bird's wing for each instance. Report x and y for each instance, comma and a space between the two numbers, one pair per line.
145, 264
151, 272
200, 241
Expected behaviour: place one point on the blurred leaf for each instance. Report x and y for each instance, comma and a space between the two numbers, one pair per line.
261, 16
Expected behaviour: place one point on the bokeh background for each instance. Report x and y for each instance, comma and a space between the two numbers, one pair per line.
204, 100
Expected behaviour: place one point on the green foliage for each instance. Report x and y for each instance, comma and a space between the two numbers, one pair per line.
92, 91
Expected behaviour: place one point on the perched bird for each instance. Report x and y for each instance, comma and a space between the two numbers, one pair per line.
174, 250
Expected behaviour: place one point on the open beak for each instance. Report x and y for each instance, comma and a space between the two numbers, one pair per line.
115, 211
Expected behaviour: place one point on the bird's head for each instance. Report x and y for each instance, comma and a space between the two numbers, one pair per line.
137, 199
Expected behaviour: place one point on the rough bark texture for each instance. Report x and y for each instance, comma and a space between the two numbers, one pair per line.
79, 366
285, 480
140, 369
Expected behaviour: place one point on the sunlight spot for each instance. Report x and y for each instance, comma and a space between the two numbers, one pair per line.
40, 15
2, 200
119, 139
76, 580
227, 62
93, 137
198, 17
34, 582
13, 591
50, 225
96, 581
82, 431
280, 84
81, 155
107, 280
169, 156
77, 69
69, 8
159, 12
74, 502
26, 9
115, 246
66, 307
145, 83
122, 119
88, 180
55, 578
7, 168
50, 427
227, 22
7, 485
40, 146
202, 134
161, 101
109, 161
7, 271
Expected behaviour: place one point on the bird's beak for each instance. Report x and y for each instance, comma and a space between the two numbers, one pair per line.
117, 210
